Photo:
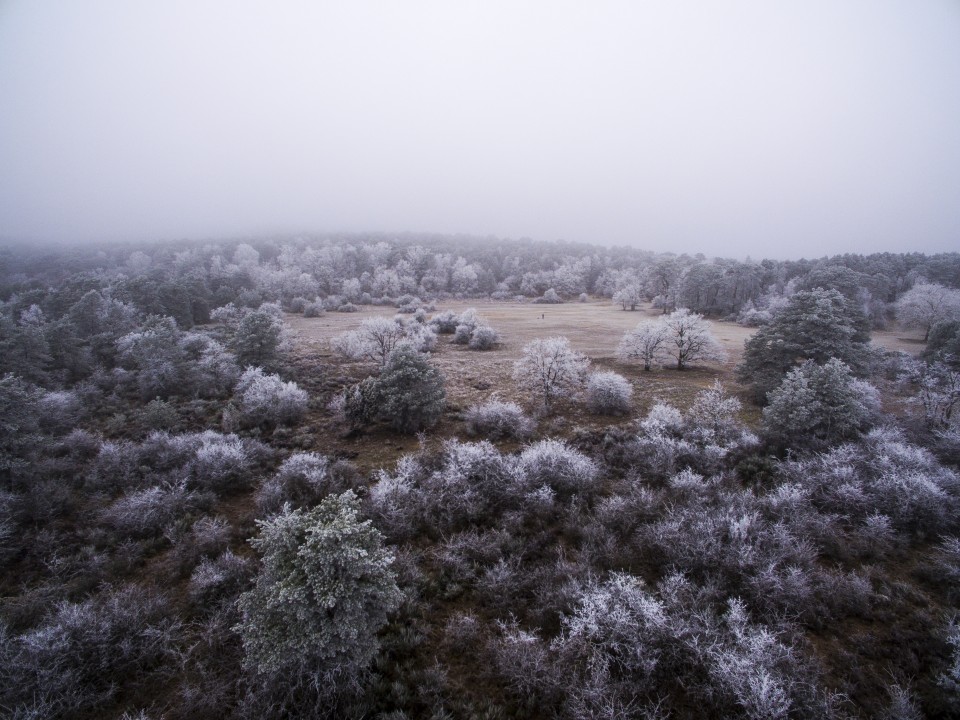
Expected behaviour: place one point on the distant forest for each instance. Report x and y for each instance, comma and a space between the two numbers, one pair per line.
180, 537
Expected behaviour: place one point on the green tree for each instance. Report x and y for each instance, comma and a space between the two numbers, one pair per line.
817, 405
409, 393
814, 325
323, 592
257, 340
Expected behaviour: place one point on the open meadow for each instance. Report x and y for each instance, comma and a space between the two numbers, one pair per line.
593, 328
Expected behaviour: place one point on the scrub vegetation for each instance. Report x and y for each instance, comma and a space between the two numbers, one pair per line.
425, 477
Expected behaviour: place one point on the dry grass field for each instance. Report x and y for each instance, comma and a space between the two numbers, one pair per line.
594, 328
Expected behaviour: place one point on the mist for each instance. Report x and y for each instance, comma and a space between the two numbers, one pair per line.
770, 129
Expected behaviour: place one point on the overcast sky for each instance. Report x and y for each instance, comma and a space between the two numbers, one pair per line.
773, 128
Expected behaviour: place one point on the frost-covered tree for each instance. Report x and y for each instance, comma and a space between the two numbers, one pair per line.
943, 344
688, 338
813, 325
646, 342
818, 405
629, 296
549, 368
608, 393
926, 304
324, 589
374, 340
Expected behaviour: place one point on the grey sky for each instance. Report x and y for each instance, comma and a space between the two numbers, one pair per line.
774, 128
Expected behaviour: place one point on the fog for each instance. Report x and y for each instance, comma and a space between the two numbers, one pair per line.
773, 129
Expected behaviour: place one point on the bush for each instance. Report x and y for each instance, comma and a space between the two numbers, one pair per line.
409, 393
445, 322
313, 309
496, 419
257, 339
550, 297
268, 400
78, 660
302, 480
483, 337
608, 393
555, 464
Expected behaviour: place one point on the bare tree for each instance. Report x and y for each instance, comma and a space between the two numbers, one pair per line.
645, 342
689, 338
550, 367
374, 340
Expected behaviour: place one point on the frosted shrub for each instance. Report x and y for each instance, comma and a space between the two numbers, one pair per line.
882, 474
313, 309
374, 340
302, 480
221, 464
472, 330
549, 297
608, 393
59, 411
556, 464
77, 661
483, 337
662, 418
144, 513
445, 322
496, 419
422, 337
218, 578
268, 400
713, 418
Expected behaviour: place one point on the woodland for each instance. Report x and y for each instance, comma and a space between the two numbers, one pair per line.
316, 477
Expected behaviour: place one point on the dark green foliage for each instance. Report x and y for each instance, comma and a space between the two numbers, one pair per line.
409, 393
818, 405
943, 345
257, 340
324, 590
815, 325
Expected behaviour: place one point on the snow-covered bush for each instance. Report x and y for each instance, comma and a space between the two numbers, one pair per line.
445, 322
557, 465
313, 309
221, 464
483, 337
549, 297
497, 419
76, 662
218, 578
301, 481
145, 513
267, 400
608, 393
